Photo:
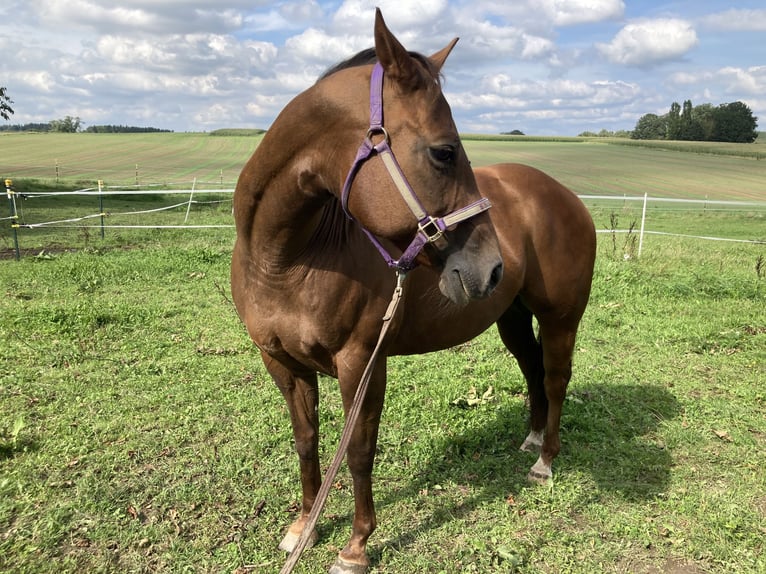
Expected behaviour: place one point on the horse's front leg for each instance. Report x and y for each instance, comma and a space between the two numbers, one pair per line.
302, 395
360, 457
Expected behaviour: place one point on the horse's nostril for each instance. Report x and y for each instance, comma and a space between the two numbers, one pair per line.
495, 277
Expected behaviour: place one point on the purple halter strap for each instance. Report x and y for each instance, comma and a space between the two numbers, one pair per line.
430, 228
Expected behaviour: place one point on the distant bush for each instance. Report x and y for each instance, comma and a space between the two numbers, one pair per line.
510, 138
110, 129
228, 132
604, 133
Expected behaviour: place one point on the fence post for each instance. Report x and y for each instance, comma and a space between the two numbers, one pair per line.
101, 205
191, 196
643, 220
14, 215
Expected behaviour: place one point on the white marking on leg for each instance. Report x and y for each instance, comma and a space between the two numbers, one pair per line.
290, 540
533, 442
540, 472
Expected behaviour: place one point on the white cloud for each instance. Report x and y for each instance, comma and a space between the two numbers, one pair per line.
319, 47
572, 12
649, 42
737, 20
201, 64
729, 80
359, 14
143, 16
520, 104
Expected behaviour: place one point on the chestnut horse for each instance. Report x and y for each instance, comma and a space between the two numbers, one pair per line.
312, 289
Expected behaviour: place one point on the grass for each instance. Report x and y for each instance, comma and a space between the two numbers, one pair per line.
142, 434
614, 166
606, 168
123, 159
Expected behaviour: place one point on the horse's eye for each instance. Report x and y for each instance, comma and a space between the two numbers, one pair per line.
442, 154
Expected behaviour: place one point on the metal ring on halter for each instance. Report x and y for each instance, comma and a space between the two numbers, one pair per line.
378, 130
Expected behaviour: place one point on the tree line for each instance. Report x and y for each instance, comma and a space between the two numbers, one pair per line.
732, 122
71, 124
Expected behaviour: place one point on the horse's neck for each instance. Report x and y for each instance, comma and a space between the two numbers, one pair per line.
284, 202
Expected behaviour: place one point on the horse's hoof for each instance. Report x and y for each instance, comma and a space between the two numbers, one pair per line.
291, 540
540, 473
537, 478
343, 567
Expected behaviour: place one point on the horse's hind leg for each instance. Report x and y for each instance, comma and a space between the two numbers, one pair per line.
547, 366
515, 328
302, 396
558, 338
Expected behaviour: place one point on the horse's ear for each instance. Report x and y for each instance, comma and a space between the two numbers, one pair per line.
394, 58
440, 57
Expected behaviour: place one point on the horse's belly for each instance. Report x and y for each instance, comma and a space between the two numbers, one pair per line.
435, 326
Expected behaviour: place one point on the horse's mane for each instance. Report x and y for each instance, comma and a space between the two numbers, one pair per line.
368, 56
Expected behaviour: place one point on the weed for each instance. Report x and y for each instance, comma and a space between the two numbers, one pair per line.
630, 243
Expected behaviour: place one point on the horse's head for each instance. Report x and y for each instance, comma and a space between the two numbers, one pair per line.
417, 129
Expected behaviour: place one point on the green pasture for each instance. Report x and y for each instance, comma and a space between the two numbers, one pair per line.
139, 431
121, 159
594, 167
588, 166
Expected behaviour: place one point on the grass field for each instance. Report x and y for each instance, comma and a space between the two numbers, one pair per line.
140, 433
117, 159
587, 167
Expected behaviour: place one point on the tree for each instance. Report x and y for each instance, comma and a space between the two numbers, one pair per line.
704, 116
690, 130
734, 122
674, 122
650, 127
66, 125
5, 105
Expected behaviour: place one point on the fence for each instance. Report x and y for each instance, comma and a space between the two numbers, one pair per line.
103, 219
101, 216
706, 205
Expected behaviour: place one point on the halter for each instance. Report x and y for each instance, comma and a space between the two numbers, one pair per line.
430, 228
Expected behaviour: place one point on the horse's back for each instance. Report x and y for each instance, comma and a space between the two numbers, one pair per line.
546, 235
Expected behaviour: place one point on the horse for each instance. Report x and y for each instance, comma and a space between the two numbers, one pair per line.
314, 212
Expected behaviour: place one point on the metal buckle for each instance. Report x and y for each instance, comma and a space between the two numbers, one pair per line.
431, 229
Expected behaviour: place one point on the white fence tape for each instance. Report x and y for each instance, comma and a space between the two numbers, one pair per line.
122, 191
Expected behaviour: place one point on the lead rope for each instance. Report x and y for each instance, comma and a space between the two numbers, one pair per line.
348, 428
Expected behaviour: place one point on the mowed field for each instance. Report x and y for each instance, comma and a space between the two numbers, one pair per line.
115, 158
587, 167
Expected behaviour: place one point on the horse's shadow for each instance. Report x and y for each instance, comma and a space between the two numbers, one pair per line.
11, 448
609, 433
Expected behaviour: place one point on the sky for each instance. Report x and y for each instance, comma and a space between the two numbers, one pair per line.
545, 67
